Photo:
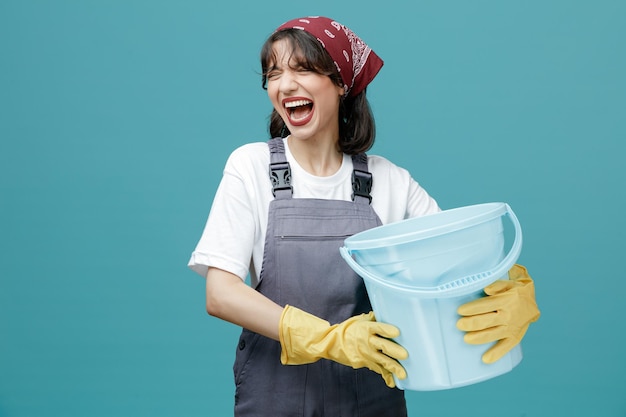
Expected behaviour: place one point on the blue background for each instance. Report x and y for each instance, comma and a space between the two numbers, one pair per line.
116, 118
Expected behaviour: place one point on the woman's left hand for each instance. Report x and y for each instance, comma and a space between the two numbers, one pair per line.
503, 315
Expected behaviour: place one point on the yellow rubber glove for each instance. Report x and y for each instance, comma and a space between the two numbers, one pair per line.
503, 315
359, 342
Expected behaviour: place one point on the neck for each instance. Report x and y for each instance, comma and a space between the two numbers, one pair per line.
319, 158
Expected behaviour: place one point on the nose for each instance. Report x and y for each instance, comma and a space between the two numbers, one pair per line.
288, 81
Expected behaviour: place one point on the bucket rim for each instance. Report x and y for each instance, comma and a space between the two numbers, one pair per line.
490, 211
462, 285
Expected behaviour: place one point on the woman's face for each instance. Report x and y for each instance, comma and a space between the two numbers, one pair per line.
307, 102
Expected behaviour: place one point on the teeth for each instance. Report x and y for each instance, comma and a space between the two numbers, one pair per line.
297, 103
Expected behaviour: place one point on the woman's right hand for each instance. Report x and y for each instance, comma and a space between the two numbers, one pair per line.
358, 342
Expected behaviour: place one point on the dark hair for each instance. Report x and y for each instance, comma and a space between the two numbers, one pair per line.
357, 129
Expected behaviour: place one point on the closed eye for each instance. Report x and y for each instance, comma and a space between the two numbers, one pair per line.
273, 75
303, 69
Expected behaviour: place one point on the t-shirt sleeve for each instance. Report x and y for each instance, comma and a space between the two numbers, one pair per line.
419, 202
228, 236
396, 195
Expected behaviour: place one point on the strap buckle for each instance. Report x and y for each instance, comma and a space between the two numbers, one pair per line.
361, 184
280, 175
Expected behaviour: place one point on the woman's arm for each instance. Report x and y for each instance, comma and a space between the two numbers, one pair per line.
231, 299
357, 342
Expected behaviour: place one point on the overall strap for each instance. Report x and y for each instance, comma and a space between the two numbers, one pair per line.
361, 180
280, 174
280, 171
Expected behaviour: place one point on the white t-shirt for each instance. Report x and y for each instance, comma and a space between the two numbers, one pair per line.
234, 236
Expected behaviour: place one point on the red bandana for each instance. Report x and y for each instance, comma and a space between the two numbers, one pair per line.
356, 62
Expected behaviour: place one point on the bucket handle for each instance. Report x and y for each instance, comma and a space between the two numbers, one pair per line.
460, 285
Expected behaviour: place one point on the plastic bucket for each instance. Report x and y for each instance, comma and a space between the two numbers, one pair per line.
419, 271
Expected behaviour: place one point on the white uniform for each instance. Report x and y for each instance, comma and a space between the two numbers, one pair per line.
234, 235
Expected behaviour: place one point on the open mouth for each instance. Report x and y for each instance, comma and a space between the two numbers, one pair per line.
299, 111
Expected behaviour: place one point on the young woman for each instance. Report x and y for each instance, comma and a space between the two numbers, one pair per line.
282, 210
